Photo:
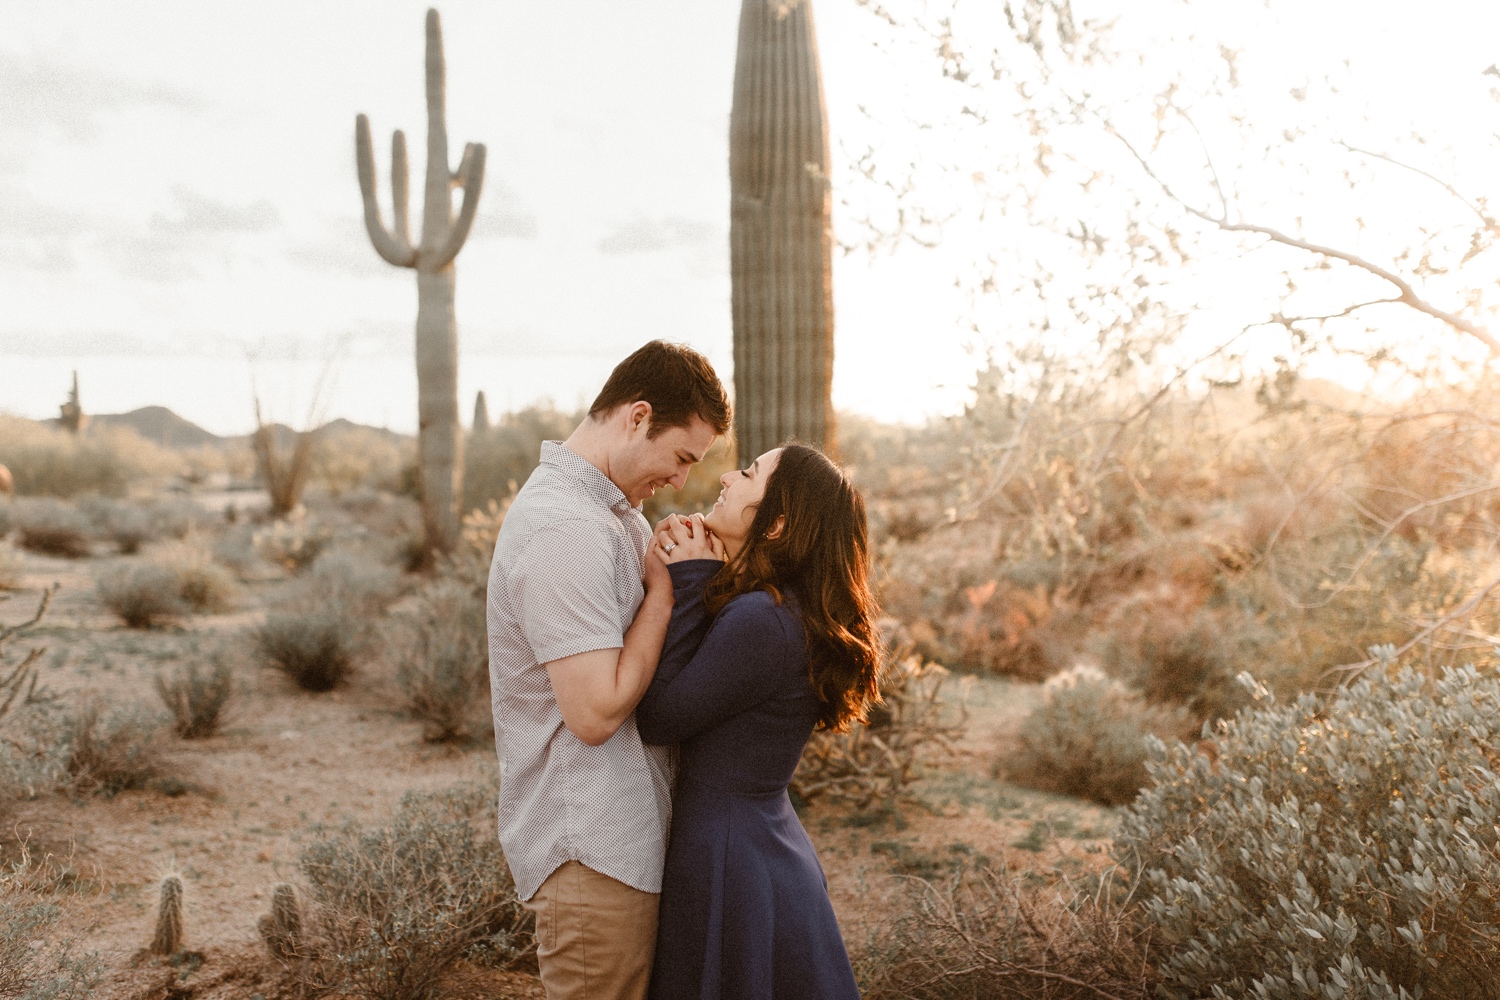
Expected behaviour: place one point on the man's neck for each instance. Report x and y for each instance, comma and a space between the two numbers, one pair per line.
590, 442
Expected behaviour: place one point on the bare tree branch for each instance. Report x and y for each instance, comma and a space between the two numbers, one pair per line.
1484, 218
1408, 296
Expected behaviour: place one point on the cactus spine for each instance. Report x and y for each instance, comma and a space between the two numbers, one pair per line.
780, 233
439, 434
168, 938
282, 927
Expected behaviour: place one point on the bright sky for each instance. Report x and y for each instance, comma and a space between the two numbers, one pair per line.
179, 212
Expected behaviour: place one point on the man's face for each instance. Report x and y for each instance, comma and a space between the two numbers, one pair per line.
645, 464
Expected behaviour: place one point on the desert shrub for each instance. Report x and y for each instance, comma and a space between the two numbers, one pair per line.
396, 906
441, 656
111, 752
987, 935
1087, 738
143, 594
469, 562
197, 698
125, 524
293, 542
46, 461
202, 584
35, 963
1334, 846
29, 760
497, 461
12, 567
313, 647
51, 528
879, 759
347, 457
325, 619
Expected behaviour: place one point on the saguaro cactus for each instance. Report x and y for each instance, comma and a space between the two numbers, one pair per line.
439, 434
481, 413
780, 232
71, 416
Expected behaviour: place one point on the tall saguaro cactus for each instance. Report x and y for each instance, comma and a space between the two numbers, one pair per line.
439, 434
780, 233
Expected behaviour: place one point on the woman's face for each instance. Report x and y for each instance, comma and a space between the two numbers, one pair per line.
743, 489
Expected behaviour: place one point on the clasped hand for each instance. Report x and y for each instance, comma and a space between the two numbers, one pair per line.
679, 539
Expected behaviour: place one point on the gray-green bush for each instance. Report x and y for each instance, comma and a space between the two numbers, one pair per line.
197, 698
323, 620
441, 658
108, 752
51, 528
1345, 846
143, 594
35, 963
1087, 738
395, 906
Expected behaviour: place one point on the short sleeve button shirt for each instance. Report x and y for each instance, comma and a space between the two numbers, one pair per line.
566, 579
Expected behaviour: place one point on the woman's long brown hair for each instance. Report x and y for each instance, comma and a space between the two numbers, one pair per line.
821, 557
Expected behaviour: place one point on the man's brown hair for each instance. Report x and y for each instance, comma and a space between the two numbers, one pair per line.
676, 380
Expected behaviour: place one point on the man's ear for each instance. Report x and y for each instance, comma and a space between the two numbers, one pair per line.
638, 416
778, 527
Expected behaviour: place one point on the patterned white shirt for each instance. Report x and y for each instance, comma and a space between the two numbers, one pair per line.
566, 579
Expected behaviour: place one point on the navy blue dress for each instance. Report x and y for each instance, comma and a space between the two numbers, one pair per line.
744, 903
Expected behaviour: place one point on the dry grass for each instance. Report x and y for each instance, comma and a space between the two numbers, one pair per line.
46, 461
197, 698
112, 751
994, 935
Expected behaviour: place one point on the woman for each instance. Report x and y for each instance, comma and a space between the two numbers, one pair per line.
772, 636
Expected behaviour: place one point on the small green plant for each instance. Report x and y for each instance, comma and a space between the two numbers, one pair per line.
197, 698
112, 752
442, 659
396, 906
143, 595
1335, 846
167, 940
1087, 739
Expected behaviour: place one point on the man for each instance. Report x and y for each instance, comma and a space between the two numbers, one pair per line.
577, 615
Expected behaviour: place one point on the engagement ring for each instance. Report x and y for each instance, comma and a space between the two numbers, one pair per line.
667, 548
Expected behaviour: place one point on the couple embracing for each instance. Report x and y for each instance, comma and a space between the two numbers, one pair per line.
653, 693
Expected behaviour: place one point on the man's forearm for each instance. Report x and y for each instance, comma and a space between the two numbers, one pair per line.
642, 650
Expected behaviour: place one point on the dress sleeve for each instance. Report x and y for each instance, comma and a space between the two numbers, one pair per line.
732, 670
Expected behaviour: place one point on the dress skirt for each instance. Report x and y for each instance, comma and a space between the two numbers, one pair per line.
745, 913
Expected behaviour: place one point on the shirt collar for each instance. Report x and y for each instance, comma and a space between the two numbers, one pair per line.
587, 475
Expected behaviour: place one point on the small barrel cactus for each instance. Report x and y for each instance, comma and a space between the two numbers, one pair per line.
281, 929
168, 938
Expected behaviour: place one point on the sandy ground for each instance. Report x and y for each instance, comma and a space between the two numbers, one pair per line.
247, 799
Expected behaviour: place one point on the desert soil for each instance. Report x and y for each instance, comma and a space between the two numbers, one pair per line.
244, 802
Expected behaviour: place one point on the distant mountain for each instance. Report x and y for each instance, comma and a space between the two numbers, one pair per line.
159, 424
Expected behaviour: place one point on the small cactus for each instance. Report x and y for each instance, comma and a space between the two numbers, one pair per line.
72, 417
481, 414
282, 927
168, 939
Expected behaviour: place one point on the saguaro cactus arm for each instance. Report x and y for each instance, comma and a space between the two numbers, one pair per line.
469, 176
393, 247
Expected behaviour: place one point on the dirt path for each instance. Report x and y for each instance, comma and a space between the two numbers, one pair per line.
244, 801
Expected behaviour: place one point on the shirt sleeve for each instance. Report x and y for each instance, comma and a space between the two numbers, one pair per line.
734, 669
563, 590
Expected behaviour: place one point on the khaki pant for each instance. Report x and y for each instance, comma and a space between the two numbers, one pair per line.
595, 936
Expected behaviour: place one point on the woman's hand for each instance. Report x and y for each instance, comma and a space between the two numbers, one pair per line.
679, 539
